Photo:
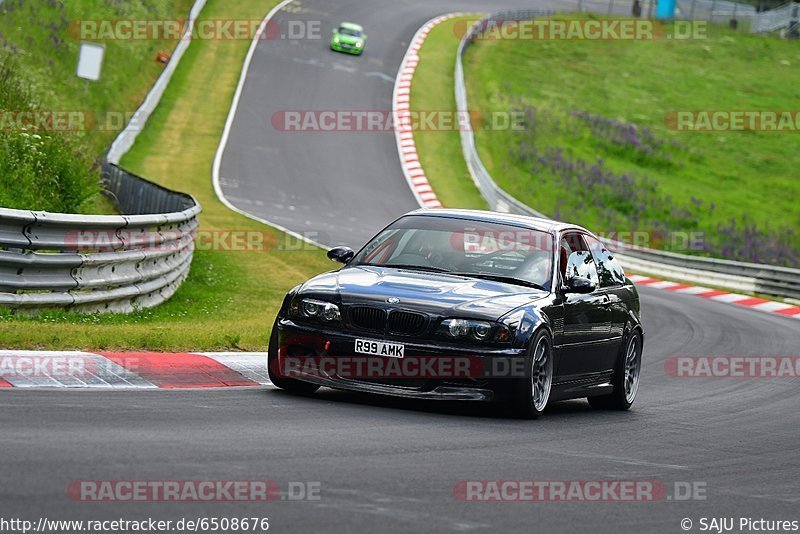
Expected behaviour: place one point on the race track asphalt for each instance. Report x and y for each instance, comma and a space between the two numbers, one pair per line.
335, 187
392, 465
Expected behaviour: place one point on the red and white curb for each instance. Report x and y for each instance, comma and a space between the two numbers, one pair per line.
755, 303
183, 370
401, 107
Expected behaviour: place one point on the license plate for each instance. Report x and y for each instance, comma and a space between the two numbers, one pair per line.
379, 348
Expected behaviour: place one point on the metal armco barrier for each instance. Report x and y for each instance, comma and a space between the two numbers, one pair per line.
99, 262
104, 263
127, 137
781, 282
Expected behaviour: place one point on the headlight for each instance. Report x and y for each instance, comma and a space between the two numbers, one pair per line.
358, 44
336, 40
315, 309
483, 331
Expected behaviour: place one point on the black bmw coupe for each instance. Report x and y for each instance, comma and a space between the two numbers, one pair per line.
467, 305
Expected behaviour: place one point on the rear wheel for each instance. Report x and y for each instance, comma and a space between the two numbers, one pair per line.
274, 370
626, 377
533, 392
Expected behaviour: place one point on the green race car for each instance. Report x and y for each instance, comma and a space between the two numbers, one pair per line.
349, 38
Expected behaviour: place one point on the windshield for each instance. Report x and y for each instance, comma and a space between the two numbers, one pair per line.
463, 247
350, 32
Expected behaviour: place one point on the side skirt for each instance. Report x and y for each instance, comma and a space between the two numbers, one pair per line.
585, 385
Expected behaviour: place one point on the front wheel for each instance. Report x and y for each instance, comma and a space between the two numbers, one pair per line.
626, 377
532, 392
274, 370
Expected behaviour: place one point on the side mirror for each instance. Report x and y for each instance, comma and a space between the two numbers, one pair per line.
580, 273
341, 254
580, 285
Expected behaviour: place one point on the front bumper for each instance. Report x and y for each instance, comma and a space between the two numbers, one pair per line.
347, 48
437, 393
315, 341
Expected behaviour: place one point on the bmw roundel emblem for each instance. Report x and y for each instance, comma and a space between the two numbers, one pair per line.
393, 300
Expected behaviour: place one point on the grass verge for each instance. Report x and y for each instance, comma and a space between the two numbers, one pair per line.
44, 39
230, 298
596, 148
51, 168
439, 151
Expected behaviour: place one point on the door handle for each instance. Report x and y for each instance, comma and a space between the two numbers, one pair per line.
606, 301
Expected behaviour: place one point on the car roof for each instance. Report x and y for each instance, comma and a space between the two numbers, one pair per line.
351, 26
525, 221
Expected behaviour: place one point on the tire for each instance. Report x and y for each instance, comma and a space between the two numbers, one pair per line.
532, 393
626, 377
273, 369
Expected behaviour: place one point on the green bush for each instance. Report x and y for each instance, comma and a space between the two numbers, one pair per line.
41, 170
56, 170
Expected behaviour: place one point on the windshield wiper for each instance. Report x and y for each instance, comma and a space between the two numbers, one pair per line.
410, 267
502, 278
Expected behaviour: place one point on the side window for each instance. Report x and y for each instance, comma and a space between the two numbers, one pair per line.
569, 243
576, 260
380, 249
608, 268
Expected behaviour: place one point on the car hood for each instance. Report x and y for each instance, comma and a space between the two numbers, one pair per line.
421, 291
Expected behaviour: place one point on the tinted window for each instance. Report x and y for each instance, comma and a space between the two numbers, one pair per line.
608, 268
348, 31
570, 242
